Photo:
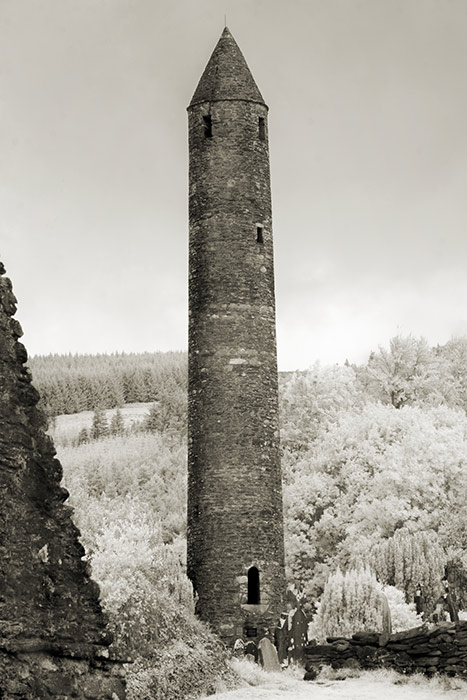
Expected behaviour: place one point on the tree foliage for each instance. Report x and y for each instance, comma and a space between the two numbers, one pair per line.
351, 602
117, 425
311, 401
355, 601
99, 426
406, 374
412, 373
142, 466
366, 475
374, 463
128, 496
453, 360
403, 615
74, 383
411, 561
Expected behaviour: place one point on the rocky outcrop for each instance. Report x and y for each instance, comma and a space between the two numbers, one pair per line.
441, 649
53, 636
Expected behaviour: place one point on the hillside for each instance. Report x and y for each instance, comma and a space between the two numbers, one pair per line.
74, 383
374, 468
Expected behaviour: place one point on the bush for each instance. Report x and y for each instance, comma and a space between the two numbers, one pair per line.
403, 615
149, 601
356, 602
250, 672
183, 669
122, 488
351, 602
409, 561
111, 473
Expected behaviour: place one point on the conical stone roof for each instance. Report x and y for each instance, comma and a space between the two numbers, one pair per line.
226, 76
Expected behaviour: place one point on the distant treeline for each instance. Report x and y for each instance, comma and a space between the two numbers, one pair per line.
409, 372
374, 462
74, 383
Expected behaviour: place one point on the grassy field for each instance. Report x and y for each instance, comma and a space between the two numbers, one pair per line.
67, 427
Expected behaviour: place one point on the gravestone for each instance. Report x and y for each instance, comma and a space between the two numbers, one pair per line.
387, 622
268, 655
252, 650
239, 649
298, 634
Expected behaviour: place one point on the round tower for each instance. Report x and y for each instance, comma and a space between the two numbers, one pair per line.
235, 522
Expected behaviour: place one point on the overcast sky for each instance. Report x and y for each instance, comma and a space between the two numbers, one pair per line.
368, 141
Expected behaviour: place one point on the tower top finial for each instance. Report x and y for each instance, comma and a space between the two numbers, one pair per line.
226, 76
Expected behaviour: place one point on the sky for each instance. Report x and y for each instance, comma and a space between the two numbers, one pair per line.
368, 144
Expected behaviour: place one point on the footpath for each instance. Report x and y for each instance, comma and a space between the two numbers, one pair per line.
368, 686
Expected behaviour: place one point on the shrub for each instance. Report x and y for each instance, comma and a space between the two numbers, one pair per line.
411, 560
351, 602
403, 615
123, 488
149, 601
108, 474
355, 602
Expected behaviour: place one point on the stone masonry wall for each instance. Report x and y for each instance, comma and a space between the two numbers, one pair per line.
439, 649
53, 636
234, 487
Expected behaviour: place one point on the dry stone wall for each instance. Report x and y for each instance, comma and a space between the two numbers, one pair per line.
438, 649
53, 636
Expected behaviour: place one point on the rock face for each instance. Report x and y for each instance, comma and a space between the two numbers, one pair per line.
440, 649
235, 524
53, 637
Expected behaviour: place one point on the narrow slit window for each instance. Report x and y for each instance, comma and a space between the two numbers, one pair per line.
207, 126
253, 586
261, 129
259, 233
